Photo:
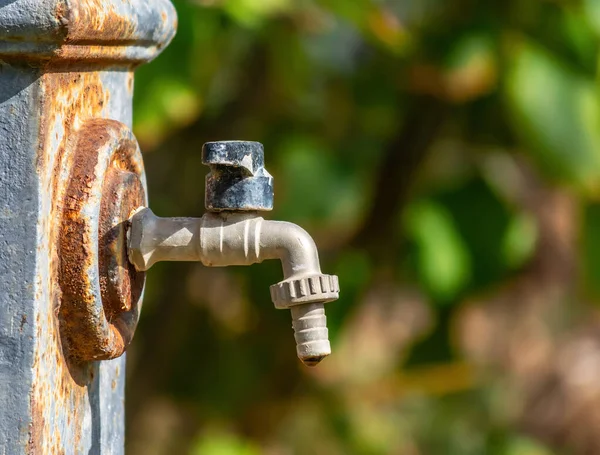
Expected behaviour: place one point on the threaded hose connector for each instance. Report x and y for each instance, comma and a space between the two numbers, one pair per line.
311, 334
319, 288
305, 297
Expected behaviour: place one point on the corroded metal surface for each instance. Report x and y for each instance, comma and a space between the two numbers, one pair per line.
100, 290
121, 284
60, 31
63, 64
74, 407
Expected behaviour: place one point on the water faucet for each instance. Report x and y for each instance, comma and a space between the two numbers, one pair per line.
232, 232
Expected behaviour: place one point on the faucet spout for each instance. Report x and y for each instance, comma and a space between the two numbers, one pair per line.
221, 239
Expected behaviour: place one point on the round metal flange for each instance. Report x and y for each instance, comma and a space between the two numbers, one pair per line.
101, 290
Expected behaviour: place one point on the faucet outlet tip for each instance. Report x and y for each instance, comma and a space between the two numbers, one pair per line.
313, 361
305, 297
311, 334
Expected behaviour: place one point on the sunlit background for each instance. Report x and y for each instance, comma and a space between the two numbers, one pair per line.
445, 154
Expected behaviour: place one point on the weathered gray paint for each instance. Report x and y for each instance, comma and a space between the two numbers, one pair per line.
51, 53
18, 211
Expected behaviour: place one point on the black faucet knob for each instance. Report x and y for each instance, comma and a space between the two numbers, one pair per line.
238, 180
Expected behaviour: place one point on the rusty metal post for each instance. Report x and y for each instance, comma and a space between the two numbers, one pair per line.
70, 173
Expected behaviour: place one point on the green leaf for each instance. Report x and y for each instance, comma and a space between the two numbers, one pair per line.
174, 104
315, 184
221, 443
526, 446
481, 219
252, 13
355, 271
519, 240
468, 48
592, 11
443, 261
590, 250
557, 114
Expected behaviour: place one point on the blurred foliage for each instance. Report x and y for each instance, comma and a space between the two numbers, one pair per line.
446, 157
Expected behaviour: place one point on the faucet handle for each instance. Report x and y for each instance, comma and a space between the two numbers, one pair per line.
238, 180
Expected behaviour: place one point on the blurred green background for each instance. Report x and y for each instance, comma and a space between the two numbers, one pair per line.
446, 157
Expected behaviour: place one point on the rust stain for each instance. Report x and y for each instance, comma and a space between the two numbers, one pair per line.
36, 435
75, 255
69, 100
97, 328
96, 31
98, 20
130, 83
120, 283
92, 35
63, 15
